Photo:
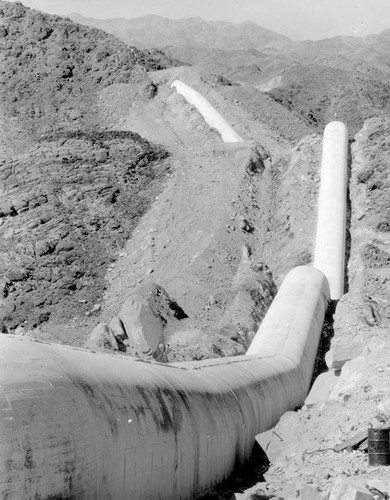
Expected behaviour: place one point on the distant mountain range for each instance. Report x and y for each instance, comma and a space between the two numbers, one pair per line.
156, 31
344, 76
184, 38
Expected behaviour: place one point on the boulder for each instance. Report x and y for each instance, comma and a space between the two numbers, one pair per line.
42, 248
337, 356
143, 328
378, 485
161, 303
309, 492
117, 328
17, 274
346, 488
20, 331
64, 246
351, 378
322, 387
264, 439
284, 441
101, 339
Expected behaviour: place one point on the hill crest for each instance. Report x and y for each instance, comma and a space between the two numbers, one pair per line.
196, 31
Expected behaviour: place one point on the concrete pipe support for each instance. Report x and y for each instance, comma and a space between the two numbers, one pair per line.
329, 253
77, 424
209, 113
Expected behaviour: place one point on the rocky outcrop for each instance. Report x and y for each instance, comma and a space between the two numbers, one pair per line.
138, 329
143, 328
66, 208
101, 339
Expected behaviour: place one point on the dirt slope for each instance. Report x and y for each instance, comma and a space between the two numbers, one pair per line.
191, 241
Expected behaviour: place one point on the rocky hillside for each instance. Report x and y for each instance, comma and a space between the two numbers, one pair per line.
52, 68
318, 94
71, 191
67, 207
77, 177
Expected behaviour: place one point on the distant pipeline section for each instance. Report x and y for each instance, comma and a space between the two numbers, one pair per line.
77, 424
209, 113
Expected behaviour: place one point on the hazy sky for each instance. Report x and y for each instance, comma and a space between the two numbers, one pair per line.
297, 19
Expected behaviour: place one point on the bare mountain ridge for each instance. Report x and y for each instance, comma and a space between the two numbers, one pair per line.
347, 76
369, 55
158, 31
251, 35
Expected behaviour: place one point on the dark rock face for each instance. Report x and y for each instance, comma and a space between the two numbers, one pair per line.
67, 208
163, 306
69, 199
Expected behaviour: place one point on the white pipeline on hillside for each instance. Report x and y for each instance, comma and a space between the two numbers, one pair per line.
78, 424
209, 113
329, 253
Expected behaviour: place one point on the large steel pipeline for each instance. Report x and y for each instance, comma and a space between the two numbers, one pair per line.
77, 424
329, 252
209, 113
